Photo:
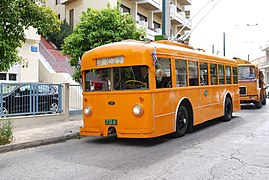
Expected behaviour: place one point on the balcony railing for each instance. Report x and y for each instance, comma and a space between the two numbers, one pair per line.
185, 2
150, 4
150, 33
66, 2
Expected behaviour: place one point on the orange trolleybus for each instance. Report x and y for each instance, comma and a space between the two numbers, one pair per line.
251, 84
148, 89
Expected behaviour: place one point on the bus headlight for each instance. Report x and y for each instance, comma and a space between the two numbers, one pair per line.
88, 110
137, 110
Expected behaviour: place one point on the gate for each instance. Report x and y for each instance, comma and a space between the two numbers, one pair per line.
19, 99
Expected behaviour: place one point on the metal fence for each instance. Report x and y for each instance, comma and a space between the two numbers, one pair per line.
30, 99
75, 99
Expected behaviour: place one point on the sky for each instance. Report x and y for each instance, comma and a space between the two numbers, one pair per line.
244, 22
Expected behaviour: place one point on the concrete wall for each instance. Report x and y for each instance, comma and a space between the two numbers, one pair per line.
59, 9
75, 93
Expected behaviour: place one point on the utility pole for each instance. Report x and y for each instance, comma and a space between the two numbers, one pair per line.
224, 44
213, 49
166, 22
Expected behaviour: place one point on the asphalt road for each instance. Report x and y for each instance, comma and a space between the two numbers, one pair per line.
238, 149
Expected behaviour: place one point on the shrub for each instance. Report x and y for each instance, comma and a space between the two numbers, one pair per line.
6, 134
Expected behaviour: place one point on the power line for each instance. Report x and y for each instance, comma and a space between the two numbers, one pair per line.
184, 37
175, 36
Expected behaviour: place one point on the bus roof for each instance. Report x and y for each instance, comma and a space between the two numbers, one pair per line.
242, 62
143, 50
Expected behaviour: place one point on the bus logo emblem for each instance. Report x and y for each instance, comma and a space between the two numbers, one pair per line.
111, 102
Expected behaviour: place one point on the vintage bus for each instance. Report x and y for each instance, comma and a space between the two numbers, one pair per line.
135, 89
251, 84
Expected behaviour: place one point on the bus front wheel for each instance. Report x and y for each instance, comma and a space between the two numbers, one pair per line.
181, 122
228, 110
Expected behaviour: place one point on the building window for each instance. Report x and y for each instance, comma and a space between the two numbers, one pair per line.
125, 9
3, 76
57, 2
12, 77
156, 25
59, 16
142, 17
71, 18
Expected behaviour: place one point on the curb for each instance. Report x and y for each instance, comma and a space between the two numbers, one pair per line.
14, 147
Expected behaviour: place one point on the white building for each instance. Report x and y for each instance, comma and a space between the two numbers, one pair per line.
263, 64
147, 13
27, 70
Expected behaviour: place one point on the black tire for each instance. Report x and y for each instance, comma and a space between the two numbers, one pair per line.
182, 122
258, 104
228, 110
264, 100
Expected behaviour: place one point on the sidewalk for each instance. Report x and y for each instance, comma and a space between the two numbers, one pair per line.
43, 134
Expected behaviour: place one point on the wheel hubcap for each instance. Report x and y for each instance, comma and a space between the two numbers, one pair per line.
54, 107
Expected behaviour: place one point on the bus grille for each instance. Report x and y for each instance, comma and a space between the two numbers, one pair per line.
243, 90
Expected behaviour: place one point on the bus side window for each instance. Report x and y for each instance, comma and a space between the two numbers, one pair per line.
221, 74
213, 74
228, 74
235, 75
203, 74
181, 73
193, 73
163, 73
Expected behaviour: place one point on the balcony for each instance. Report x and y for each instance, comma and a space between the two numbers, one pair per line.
150, 5
187, 10
184, 2
179, 18
66, 2
150, 33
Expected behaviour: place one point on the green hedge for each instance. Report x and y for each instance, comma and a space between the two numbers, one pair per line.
6, 134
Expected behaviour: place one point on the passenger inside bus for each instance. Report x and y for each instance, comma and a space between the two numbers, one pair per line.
251, 73
144, 75
204, 79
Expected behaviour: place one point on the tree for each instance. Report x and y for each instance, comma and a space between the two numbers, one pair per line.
98, 27
57, 38
15, 17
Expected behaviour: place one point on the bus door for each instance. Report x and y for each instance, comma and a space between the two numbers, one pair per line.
205, 92
163, 98
215, 96
194, 90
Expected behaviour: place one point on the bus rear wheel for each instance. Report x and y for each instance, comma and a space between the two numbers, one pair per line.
258, 104
228, 110
181, 122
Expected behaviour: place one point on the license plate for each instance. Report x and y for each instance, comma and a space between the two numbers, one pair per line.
111, 122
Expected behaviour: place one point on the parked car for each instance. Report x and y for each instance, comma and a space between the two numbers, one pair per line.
30, 98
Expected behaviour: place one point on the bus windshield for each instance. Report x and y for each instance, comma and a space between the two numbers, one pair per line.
117, 78
246, 72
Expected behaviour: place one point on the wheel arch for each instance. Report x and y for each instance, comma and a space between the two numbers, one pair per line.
185, 102
228, 95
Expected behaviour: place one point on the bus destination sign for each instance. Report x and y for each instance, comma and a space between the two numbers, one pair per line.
112, 60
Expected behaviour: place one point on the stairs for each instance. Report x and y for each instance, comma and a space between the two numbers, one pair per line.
57, 61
